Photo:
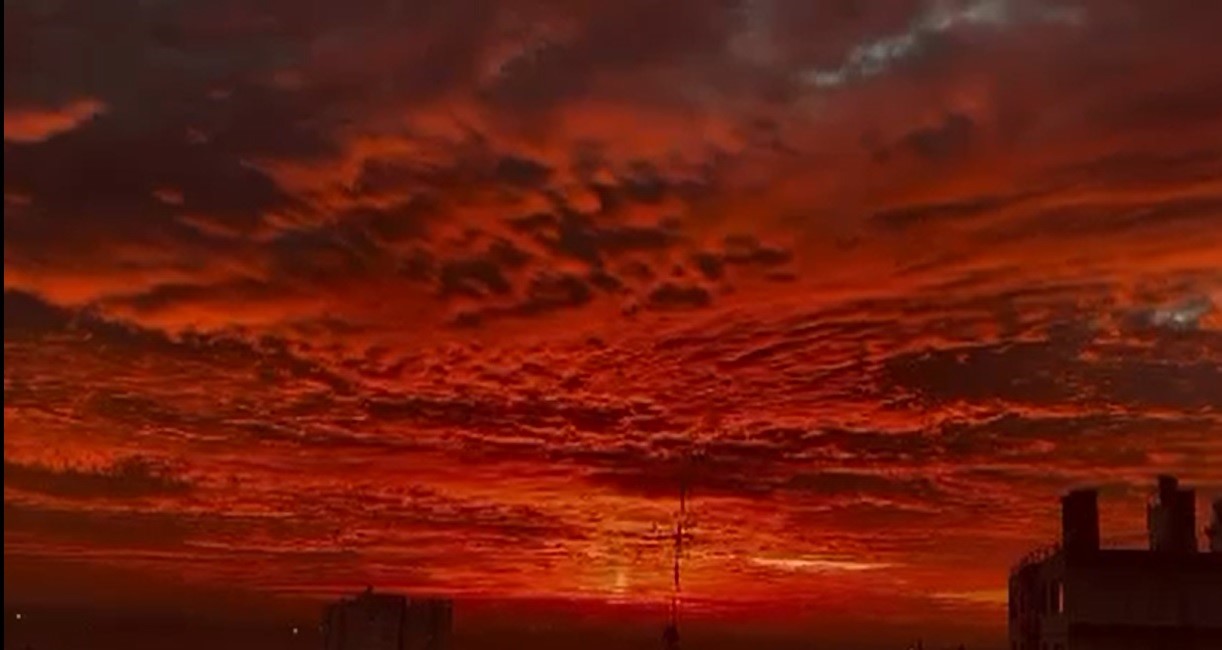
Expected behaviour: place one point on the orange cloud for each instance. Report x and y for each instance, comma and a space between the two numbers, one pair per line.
26, 125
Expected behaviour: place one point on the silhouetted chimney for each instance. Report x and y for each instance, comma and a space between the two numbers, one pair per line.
1186, 518
1215, 528
1171, 518
1080, 521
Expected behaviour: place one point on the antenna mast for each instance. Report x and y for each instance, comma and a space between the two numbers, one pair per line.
677, 588
670, 636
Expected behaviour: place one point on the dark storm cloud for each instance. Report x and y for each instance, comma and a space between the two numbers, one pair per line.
25, 314
472, 277
918, 214
418, 512
1192, 213
491, 414
738, 251
109, 351
130, 478
131, 531
426, 512
30, 320
760, 470
555, 291
198, 100
587, 239
100, 183
673, 295
165, 295
609, 39
1058, 371
549, 292
950, 139
141, 530
522, 171
1141, 168
748, 251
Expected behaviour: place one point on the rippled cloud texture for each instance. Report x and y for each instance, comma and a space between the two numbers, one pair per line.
301, 296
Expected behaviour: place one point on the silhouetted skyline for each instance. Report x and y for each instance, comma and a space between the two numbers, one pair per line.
1078, 594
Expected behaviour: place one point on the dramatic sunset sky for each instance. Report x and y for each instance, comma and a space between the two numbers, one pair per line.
304, 295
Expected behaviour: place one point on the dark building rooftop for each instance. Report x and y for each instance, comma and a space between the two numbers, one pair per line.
1214, 532
382, 621
1078, 596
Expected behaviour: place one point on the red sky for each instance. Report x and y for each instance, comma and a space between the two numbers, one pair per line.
434, 295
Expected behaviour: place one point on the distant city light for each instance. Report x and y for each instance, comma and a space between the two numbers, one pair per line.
295, 631
19, 616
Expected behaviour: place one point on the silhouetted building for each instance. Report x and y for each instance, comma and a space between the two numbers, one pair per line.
1171, 518
1077, 596
372, 621
1215, 528
1080, 521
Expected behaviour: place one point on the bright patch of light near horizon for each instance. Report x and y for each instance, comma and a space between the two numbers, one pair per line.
981, 597
621, 581
817, 565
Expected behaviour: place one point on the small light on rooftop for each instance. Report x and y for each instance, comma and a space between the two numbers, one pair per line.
296, 631
19, 616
